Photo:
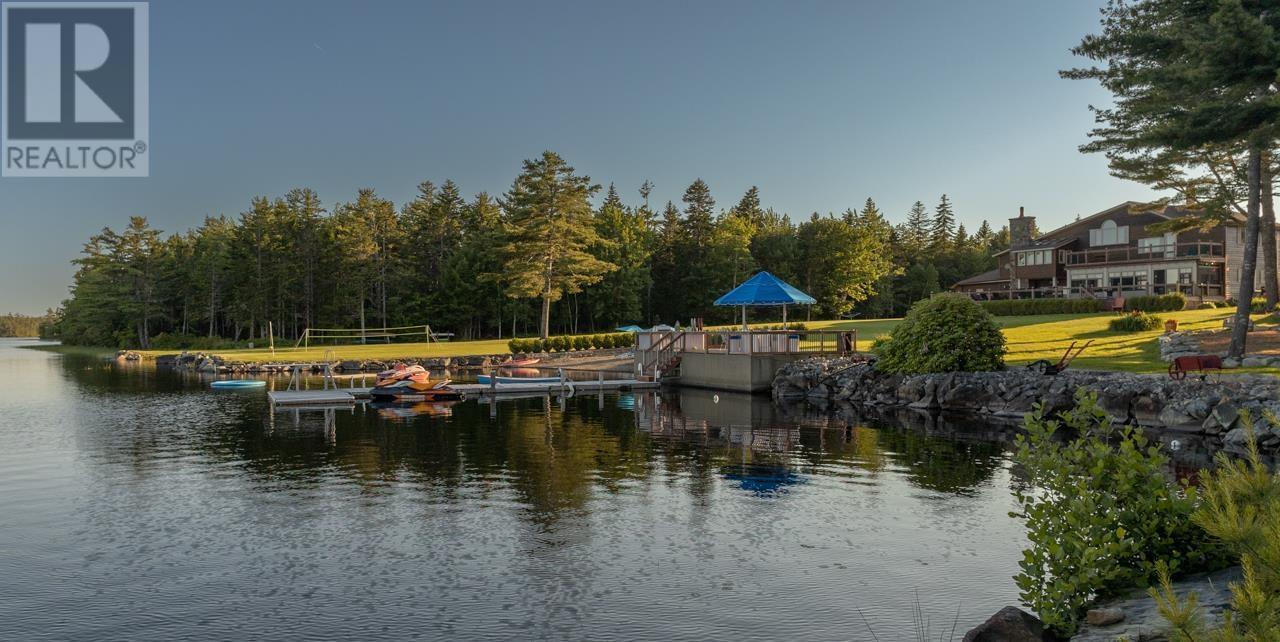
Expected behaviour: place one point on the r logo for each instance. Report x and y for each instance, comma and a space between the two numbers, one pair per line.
75, 88
70, 73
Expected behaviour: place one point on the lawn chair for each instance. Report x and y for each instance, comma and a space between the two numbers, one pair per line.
1045, 367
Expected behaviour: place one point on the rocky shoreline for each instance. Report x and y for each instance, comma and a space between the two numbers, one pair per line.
1209, 409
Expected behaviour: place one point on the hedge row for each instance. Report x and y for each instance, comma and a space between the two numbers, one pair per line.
1171, 302
1022, 307
577, 342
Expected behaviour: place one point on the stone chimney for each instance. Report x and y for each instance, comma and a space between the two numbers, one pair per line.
1020, 229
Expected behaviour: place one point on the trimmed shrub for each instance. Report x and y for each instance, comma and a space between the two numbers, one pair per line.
582, 342
1136, 322
1171, 302
624, 340
608, 340
1208, 305
516, 346
944, 333
1023, 307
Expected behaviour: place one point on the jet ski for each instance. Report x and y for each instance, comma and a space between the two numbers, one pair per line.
411, 383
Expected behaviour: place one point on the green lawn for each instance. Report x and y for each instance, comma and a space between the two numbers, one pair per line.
1046, 336
1029, 338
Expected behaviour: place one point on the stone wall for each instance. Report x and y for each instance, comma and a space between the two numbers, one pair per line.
1208, 408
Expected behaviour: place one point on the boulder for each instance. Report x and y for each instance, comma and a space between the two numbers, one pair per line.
1010, 624
1104, 617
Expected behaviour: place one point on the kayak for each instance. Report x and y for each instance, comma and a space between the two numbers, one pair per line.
518, 363
237, 384
489, 380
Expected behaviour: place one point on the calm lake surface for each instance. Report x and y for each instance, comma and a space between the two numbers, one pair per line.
138, 504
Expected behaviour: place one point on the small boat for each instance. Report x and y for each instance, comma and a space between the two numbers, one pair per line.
411, 383
237, 384
490, 380
519, 363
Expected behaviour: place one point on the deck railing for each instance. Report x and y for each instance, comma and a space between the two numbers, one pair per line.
1207, 251
660, 350
1193, 291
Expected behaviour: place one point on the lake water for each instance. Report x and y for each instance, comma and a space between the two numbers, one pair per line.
140, 505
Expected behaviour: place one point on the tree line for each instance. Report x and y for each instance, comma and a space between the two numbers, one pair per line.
540, 259
21, 325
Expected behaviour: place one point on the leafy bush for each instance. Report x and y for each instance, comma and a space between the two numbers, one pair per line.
1135, 322
624, 340
581, 342
1207, 305
1171, 302
944, 333
799, 327
1240, 507
1022, 307
516, 346
608, 340
1100, 516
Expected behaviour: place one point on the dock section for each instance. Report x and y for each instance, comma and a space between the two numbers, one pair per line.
348, 396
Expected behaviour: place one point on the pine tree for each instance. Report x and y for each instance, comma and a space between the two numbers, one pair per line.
943, 230
916, 231
551, 230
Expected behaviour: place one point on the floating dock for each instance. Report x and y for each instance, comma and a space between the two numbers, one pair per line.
348, 396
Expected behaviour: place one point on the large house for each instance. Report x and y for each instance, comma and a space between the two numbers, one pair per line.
1112, 253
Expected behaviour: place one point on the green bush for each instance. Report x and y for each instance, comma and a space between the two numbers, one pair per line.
1023, 307
581, 342
624, 340
1207, 305
1100, 516
179, 341
944, 333
1171, 302
608, 340
516, 346
1135, 322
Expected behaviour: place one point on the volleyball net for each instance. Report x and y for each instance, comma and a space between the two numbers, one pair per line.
340, 336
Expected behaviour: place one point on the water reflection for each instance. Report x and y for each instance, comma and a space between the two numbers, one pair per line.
627, 515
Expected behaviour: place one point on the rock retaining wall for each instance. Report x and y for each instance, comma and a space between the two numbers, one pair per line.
1208, 408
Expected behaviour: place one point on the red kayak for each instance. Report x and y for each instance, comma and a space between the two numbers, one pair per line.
518, 363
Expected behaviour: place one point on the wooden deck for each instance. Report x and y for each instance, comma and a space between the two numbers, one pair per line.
347, 396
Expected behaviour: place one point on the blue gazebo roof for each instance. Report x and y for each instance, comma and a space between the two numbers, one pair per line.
765, 289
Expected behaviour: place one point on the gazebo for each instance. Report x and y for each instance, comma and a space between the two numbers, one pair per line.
764, 289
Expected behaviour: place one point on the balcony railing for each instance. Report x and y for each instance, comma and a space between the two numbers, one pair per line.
1213, 252
1200, 291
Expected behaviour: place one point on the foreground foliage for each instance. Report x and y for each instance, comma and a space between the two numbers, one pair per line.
1101, 516
1239, 507
944, 333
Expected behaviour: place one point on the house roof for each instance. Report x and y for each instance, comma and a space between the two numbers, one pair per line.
1041, 243
992, 276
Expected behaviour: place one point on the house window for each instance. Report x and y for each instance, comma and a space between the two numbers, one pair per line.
1128, 279
1086, 280
1109, 234
1035, 257
1157, 245
1184, 276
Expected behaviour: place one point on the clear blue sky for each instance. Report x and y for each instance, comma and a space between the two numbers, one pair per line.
819, 104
